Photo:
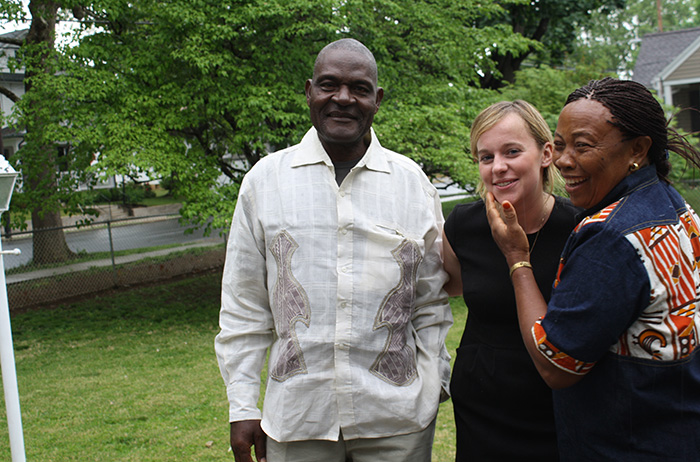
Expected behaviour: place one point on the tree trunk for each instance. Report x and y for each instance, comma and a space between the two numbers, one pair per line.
48, 241
49, 246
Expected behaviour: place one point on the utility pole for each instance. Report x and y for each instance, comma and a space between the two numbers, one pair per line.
658, 16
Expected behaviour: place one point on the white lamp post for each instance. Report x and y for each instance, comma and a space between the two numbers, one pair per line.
7, 356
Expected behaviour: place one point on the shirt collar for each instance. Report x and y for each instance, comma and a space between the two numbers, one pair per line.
312, 152
641, 178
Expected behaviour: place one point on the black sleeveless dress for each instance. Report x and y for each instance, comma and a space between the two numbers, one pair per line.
503, 408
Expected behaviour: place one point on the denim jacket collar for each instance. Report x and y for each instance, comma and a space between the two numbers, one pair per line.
645, 175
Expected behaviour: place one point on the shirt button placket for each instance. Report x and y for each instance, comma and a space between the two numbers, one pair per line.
343, 327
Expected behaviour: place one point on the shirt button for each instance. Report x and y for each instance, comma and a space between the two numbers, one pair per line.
342, 193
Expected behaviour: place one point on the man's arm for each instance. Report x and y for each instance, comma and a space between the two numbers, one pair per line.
432, 316
246, 326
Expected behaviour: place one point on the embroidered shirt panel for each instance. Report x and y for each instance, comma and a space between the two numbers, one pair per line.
289, 305
396, 363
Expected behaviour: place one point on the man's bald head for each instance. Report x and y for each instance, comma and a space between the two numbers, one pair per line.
350, 45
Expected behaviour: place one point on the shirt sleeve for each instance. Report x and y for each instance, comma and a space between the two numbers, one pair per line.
432, 316
245, 319
601, 290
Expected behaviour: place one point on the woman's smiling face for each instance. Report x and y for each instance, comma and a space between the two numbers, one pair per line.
511, 162
591, 153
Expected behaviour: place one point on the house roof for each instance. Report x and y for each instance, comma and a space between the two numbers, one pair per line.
659, 50
20, 34
9, 132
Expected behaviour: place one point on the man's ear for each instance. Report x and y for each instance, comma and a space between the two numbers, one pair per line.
380, 96
307, 89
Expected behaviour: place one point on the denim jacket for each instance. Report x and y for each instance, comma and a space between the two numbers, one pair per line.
623, 313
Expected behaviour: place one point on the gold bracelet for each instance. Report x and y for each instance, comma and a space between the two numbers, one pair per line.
520, 264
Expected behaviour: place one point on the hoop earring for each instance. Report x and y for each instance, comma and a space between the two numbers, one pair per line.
634, 167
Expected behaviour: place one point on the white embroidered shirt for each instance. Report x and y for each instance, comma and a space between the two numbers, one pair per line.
343, 285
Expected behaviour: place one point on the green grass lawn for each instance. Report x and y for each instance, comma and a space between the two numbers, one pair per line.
132, 376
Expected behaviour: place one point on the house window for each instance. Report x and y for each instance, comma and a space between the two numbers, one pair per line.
62, 158
694, 100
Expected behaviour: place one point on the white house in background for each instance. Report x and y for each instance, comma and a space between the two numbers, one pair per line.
13, 81
669, 62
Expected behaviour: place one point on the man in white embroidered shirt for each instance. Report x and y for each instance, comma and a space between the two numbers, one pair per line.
333, 264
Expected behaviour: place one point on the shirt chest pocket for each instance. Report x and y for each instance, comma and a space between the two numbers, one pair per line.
391, 257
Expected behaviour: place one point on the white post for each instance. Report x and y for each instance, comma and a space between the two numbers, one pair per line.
9, 373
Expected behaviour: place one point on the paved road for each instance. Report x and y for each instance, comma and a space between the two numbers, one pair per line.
124, 237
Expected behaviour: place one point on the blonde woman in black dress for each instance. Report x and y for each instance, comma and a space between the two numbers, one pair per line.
503, 409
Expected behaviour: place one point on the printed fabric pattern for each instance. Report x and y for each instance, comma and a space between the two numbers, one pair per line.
666, 330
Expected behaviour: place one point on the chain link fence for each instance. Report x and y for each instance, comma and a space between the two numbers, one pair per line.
105, 255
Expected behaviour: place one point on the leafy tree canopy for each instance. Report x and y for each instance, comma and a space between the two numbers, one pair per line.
198, 90
552, 27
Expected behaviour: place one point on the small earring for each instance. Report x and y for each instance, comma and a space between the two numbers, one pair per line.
634, 167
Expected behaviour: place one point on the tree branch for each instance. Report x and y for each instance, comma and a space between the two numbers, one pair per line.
542, 27
12, 41
10, 94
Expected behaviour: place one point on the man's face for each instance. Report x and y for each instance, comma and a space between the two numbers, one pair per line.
343, 97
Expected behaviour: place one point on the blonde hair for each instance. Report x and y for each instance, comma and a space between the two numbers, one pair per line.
535, 124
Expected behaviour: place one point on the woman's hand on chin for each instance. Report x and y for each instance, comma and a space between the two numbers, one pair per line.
507, 232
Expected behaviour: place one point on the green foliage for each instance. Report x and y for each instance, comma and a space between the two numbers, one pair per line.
226, 85
11, 10
429, 56
551, 26
564, 21
448, 206
52, 167
39, 113
547, 88
197, 92
128, 194
690, 190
